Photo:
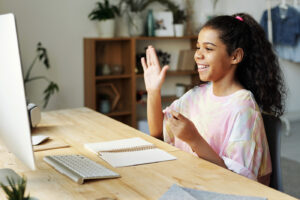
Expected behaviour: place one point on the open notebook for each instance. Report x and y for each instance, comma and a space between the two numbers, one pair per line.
128, 152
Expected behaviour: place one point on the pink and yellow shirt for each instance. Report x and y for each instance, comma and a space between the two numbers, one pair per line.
232, 125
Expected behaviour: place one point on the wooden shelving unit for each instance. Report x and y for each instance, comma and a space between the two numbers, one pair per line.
122, 52
174, 73
110, 77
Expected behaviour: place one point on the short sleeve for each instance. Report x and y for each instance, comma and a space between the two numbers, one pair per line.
244, 151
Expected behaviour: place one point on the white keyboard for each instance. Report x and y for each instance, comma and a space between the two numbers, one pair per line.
79, 168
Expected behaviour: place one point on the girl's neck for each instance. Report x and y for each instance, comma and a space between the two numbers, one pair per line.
226, 87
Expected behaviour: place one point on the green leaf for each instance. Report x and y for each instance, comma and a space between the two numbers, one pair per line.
42, 54
50, 90
100, 5
15, 190
106, 4
104, 11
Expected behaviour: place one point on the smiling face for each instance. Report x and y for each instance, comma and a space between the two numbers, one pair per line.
214, 63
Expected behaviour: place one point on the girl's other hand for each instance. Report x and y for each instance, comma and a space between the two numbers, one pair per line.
154, 76
183, 128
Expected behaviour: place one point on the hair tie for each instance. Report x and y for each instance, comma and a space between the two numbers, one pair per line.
239, 18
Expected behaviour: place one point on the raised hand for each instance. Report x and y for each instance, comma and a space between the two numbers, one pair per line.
154, 76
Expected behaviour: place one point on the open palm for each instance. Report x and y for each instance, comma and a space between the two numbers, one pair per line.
154, 76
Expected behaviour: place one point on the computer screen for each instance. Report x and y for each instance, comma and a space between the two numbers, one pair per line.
14, 121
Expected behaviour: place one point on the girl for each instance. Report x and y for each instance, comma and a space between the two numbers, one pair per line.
220, 121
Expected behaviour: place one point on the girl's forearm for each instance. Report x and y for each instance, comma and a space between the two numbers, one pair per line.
204, 150
154, 113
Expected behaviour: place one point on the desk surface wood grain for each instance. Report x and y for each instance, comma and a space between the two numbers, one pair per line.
78, 126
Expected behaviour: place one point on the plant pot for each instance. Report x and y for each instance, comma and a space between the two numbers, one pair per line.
135, 24
179, 30
106, 28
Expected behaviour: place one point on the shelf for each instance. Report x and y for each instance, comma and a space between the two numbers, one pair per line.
143, 38
168, 98
174, 73
166, 38
121, 88
118, 113
108, 39
109, 77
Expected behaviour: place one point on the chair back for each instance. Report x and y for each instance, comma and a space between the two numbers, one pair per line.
274, 130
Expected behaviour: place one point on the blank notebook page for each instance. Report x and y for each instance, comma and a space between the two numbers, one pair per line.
123, 159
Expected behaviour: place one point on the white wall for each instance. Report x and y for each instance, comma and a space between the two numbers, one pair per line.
61, 26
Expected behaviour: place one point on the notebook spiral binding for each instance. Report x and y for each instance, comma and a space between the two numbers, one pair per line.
128, 149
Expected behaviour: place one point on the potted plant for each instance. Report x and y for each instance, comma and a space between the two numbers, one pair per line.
179, 18
133, 9
16, 189
105, 14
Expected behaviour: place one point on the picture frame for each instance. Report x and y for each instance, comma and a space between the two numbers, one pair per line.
163, 24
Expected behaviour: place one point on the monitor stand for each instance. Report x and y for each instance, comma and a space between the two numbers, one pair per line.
6, 172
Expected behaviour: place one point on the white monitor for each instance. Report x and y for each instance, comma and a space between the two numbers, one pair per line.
15, 130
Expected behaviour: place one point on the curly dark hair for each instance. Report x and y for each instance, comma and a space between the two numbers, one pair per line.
259, 71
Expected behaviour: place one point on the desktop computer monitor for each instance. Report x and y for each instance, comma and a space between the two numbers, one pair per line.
15, 130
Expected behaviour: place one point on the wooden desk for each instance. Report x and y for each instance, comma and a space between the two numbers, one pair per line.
151, 181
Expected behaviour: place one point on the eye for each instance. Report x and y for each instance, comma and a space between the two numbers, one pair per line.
208, 49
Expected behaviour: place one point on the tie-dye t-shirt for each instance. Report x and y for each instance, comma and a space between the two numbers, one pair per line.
232, 125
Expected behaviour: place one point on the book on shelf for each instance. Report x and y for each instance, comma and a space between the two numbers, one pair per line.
129, 152
186, 60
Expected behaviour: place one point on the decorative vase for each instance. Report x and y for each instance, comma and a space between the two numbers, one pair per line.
122, 26
106, 28
179, 30
106, 69
150, 24
135, 24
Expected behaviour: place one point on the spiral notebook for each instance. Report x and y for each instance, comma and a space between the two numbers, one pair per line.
129, 152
